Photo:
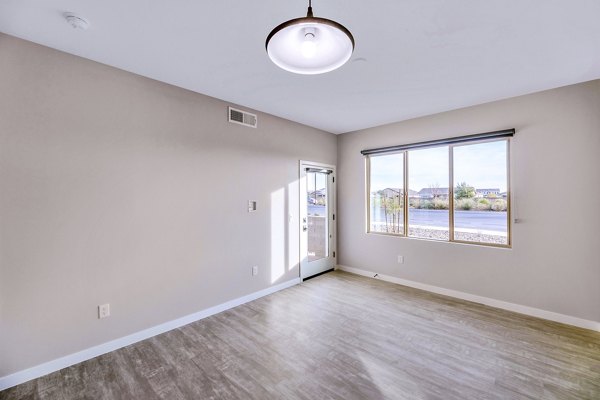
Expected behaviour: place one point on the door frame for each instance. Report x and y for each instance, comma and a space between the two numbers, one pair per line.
331, 211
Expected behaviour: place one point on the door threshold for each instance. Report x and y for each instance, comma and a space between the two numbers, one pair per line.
319, 274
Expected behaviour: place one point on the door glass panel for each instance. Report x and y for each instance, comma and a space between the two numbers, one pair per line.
317, 221
428, 177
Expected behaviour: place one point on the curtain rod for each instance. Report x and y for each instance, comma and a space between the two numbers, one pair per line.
430, 143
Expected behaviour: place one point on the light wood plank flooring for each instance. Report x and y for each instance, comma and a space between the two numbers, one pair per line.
341, 336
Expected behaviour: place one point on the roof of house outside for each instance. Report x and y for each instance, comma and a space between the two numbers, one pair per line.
487, 190
318, 192
398, 190
432, 191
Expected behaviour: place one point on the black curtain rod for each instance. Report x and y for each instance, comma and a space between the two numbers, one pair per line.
439, 142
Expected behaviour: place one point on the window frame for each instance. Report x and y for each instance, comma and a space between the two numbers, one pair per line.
451, 209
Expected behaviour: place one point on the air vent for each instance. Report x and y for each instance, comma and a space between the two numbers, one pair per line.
242, 118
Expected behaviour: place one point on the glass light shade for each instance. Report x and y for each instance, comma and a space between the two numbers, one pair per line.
310, 45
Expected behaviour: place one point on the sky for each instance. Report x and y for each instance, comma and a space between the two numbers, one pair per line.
481, 165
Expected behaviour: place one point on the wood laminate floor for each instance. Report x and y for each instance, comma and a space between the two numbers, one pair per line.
341, 336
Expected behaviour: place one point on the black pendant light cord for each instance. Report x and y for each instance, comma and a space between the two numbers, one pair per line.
309, 14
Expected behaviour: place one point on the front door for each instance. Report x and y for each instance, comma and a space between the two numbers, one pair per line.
317, 218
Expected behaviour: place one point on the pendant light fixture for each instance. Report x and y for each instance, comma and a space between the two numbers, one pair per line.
310, 45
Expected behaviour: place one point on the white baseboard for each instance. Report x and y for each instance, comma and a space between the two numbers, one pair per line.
71, 359
534, 312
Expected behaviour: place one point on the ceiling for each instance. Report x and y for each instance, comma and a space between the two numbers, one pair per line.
412, 57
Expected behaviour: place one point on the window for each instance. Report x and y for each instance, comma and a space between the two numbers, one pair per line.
428, 215
455, 191
386, 203
481, 192
317, 221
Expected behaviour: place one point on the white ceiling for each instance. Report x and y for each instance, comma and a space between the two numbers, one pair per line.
412, 57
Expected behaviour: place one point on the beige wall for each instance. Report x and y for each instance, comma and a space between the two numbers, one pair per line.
119, 189
554, 264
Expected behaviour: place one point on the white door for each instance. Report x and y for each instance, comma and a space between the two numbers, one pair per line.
317, 218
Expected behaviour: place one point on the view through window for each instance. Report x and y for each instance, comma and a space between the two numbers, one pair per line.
387, 194
428, 175
466, 200
481, 192
316, 185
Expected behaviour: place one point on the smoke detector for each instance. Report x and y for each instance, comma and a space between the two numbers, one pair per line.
76, 21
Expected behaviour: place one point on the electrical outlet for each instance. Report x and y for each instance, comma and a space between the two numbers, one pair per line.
255, 270
400, 259
103, 311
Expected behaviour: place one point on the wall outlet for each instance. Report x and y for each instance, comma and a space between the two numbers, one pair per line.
255, 270
400, 259
103, 311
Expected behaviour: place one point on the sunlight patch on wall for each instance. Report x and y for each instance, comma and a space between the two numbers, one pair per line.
293, 218
278, 224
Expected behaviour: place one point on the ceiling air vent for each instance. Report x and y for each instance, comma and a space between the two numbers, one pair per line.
242, 117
